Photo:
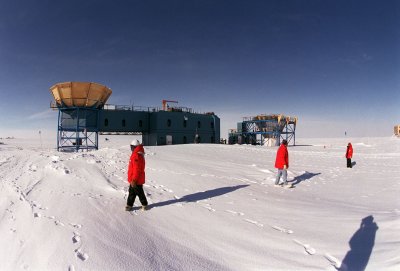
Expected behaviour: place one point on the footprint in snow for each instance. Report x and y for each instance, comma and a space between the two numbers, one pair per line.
209, 208
81, 255
333, 261
59, 223
76, 238
133, 212
55, 159
234, 212
282, 229
310, 250
254, 222
35, 204
71, 268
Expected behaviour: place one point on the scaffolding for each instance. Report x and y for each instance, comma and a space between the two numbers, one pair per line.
77, 129
265, 130
78, 105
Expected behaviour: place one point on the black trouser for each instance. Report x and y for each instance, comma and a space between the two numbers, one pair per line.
136, 191
349, 162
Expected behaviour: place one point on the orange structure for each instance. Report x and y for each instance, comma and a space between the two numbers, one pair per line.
80, 94
165, 104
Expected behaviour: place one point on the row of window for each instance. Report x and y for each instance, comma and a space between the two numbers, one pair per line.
169, 123
123, 123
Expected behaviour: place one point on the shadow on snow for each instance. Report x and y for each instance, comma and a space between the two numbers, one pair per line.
201, 195
303, 177
361, 245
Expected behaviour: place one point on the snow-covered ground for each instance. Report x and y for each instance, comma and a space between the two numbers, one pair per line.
214, 207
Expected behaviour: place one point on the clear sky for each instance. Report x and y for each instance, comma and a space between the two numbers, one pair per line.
333, 63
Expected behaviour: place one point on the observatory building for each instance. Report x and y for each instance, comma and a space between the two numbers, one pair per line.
264, 130
83, 114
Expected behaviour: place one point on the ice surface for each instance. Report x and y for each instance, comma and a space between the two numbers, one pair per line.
213, 207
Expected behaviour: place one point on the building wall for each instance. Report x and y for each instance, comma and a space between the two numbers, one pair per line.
156, 127
123, 121
73, 119
183, 127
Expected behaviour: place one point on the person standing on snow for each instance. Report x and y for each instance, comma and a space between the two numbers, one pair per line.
136, 176
282, 164
349, 155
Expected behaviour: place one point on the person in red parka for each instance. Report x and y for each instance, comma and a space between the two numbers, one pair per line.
349, 155
136, 176
282, 164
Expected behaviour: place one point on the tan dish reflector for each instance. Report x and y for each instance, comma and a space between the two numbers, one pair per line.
80, 94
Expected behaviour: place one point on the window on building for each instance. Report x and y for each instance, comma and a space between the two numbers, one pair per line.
184, 140
212, 125
105, 122
212, 140
198, 124
184, 123
140, 123
169, 123
123, 123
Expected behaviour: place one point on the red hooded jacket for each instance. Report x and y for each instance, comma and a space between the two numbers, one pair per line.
282, 157
349, 152
136, 166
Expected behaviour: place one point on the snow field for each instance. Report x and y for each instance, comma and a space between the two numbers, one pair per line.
213, 207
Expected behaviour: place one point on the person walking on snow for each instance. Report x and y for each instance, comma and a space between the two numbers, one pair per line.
136, 176
282, 164
349, 155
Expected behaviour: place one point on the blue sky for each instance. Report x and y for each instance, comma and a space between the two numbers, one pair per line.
334, 64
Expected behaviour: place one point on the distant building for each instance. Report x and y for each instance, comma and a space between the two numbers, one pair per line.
83, 114
264, 130
159, 127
